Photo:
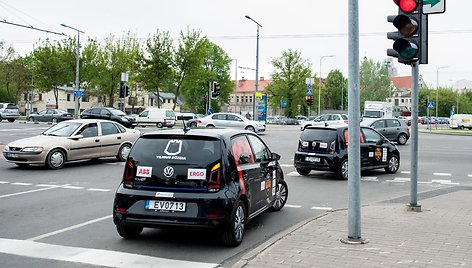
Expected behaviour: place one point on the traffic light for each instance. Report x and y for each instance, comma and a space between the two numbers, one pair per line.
215, 90
309, 100
121, 89
411, 39
126, 91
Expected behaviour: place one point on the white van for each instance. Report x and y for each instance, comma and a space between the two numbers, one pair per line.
155, 116
461, 121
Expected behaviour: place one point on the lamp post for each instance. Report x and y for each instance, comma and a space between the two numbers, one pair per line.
77, 67
437, 89
319, 82
257, 68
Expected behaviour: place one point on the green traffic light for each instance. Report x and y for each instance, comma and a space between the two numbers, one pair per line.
407, 50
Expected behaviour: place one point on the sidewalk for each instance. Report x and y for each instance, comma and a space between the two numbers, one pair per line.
439, 236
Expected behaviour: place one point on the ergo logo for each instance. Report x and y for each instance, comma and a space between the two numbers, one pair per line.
197, 173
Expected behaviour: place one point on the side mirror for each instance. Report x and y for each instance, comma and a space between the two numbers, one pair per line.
76, 137
275, 156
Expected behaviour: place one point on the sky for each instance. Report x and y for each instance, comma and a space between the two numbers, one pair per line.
315, 28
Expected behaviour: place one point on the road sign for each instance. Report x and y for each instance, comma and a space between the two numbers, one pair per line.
434, 6
309, 89
210, 111
78, 93
284, 104
430, 104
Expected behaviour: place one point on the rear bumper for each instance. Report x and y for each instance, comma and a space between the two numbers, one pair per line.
328, 162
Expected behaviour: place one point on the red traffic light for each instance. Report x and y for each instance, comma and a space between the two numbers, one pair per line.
407, 6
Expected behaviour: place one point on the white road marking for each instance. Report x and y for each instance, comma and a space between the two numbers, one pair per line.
22, 183
27, 192
445, 182
470, 175
294, 174
292, 206
4, 182
286, 165
47, 185
369, 179
425, 182
98, 257
72, 187
441, 174
69, 228
399, 180
98, 190
322, 208
405, 172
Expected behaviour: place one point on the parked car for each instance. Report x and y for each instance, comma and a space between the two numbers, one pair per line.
407, 119
230, 120
9, 111
326, 119
109, 113
194, 121
289, 121
50, 115
212, 178
461, 121
325, 149
72, 140
157, 116
392, 128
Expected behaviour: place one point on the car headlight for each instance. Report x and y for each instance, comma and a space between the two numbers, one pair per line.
6, 148
32, 149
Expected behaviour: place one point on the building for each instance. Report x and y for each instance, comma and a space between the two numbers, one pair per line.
242, 97
462, 86
401, 94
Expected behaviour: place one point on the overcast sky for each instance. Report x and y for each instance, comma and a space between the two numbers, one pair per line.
313, 27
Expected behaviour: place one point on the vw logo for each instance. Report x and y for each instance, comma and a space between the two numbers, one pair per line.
168, 171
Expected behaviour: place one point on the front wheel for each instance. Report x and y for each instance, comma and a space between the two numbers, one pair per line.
393, 164
251, 128
402, 139
234, 233
11, 120
31, 119
123, 152
56, 159
128, 231
193, 124
159, 125
343, 170
303, 172
281, 196
54, 120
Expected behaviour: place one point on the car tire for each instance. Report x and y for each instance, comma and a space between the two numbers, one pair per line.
159, 125
210, 126
54, 120
402, 139
251, 128
56, 159
128, 231
11, 120
234, 234
303, 171
31, 119
193, 124
393, 164
123, 152
281, 196
343, 170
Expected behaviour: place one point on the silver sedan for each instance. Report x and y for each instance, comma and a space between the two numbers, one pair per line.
231, 120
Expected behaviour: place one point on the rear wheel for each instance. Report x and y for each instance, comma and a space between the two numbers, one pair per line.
11, 120
234, 233
123, 152
128, 231
193, 124
251, 128
343, 172
31, 119
303, 172
54, 120
393, 164
56, 159
210, 126
159, 125
281, 196
402, 139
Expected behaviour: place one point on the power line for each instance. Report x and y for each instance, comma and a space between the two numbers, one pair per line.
30, 27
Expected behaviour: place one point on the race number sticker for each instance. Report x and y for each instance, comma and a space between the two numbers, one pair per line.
143, 171
371, 154
196, 174
323, 145
273, 187
384, 155
262, 185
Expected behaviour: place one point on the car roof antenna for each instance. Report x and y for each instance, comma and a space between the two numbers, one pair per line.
186, 128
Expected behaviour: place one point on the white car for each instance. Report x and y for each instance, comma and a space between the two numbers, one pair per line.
231, 120
326, 119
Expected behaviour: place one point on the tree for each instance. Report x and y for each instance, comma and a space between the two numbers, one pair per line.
374, 82
289, 82
334, 90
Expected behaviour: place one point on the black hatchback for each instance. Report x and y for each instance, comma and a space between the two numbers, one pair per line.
215, 178
325, 149
109, 113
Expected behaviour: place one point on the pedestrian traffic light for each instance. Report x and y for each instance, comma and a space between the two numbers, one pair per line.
215, 90
411, 39
126, 91
121, 89
309, 100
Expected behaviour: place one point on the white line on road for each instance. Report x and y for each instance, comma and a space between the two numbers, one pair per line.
292, 206
98, 257
399, 180
470, 175
286, 165
69, 228
294, 174
22, 183
405, 172
445, 182
27, 192
72, 187
369, 179
441, 174
47, 185
98, 190
4, 182
322, 208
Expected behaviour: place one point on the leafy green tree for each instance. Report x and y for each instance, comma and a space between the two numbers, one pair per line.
288, 84
374, 82
334, 90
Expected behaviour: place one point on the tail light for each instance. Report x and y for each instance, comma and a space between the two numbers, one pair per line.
129, 174
214, 182
199, 121
332, 147
346, 121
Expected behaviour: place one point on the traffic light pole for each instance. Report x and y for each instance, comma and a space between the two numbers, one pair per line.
413, 206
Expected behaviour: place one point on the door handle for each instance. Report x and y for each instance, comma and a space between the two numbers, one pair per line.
97, 140
118, 138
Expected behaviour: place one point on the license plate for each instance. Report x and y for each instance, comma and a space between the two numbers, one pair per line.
312, 159
165, 205
12, 155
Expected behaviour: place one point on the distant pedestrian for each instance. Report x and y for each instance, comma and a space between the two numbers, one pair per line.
248, 116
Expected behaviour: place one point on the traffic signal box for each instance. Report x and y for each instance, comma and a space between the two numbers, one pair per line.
309, 100
215, 90
411, 40
121, 89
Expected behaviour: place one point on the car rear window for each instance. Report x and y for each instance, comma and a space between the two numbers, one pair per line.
12, 106
326, 135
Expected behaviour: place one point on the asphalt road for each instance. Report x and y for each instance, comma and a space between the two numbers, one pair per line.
63, 217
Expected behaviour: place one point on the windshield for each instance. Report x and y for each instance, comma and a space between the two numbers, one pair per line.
373, 114
117, 112
63, 129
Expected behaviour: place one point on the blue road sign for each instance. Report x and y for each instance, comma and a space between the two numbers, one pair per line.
210, 111
430, 104
284, 104
309, 89
78, 93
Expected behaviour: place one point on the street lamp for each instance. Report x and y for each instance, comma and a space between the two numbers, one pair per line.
437, 89
319, 82
76, 109
257, 67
